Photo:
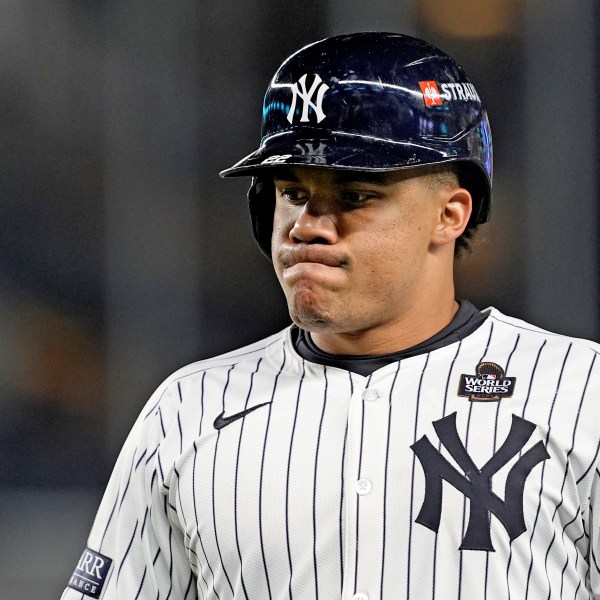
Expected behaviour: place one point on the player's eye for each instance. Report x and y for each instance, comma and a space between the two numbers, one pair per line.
356, 198
294, 195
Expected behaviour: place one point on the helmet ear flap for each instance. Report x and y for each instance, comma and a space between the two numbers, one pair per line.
473, 178
261, 201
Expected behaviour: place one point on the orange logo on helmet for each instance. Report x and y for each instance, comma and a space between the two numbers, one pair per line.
431, 93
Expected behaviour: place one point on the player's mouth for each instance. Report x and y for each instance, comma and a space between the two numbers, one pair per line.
311, 255
315, 263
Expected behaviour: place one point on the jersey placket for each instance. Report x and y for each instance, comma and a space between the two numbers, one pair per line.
365, 478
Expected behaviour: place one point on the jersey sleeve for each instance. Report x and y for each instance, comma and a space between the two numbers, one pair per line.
593, 530
135, 551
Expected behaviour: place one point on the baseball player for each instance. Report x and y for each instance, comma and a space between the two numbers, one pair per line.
393, 442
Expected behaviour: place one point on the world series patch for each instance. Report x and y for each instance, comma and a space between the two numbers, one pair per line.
90, 573
488, 384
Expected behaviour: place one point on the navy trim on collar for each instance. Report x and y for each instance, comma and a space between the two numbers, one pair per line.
466, 320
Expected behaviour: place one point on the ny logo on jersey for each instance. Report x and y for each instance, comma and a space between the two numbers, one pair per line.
476, 484
299, 90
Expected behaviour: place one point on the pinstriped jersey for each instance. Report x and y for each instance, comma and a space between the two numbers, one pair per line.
467, 472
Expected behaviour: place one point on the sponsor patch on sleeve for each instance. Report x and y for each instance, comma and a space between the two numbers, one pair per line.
91, 573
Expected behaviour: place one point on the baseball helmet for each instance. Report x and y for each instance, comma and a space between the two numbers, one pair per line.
368, 102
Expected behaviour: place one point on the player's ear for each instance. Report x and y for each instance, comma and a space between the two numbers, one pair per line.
455, 209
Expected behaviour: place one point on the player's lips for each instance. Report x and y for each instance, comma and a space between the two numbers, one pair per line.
318, 255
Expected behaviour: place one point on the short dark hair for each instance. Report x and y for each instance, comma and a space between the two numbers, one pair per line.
452, 173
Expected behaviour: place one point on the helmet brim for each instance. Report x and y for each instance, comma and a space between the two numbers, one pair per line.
341, 150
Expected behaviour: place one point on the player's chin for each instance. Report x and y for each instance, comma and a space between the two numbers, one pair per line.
311, 310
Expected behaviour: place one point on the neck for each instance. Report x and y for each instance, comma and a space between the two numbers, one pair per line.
412, 327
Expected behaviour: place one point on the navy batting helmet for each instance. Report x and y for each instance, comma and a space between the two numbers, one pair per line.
369, 102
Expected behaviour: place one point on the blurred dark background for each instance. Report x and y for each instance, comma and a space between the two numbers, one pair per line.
123, 256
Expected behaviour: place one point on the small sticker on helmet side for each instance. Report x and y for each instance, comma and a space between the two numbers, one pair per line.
450, 91
431, 93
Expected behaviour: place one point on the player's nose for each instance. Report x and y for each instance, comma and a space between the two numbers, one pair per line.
314, 227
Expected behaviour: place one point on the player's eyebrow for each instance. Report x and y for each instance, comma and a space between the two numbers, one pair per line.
285, 175
375, 178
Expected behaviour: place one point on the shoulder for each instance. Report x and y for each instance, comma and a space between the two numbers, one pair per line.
235, 358
188, 380
550, 362
533, 332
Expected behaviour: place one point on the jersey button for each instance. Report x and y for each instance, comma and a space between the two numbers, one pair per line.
370, 394
360, 596
363, 486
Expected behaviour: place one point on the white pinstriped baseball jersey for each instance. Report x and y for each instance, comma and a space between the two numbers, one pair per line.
334, 485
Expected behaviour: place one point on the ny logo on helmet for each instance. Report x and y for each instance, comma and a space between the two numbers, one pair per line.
299, 90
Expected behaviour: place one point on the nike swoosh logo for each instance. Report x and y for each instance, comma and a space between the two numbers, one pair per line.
221, 421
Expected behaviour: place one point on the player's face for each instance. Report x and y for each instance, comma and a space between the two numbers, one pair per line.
352, 250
